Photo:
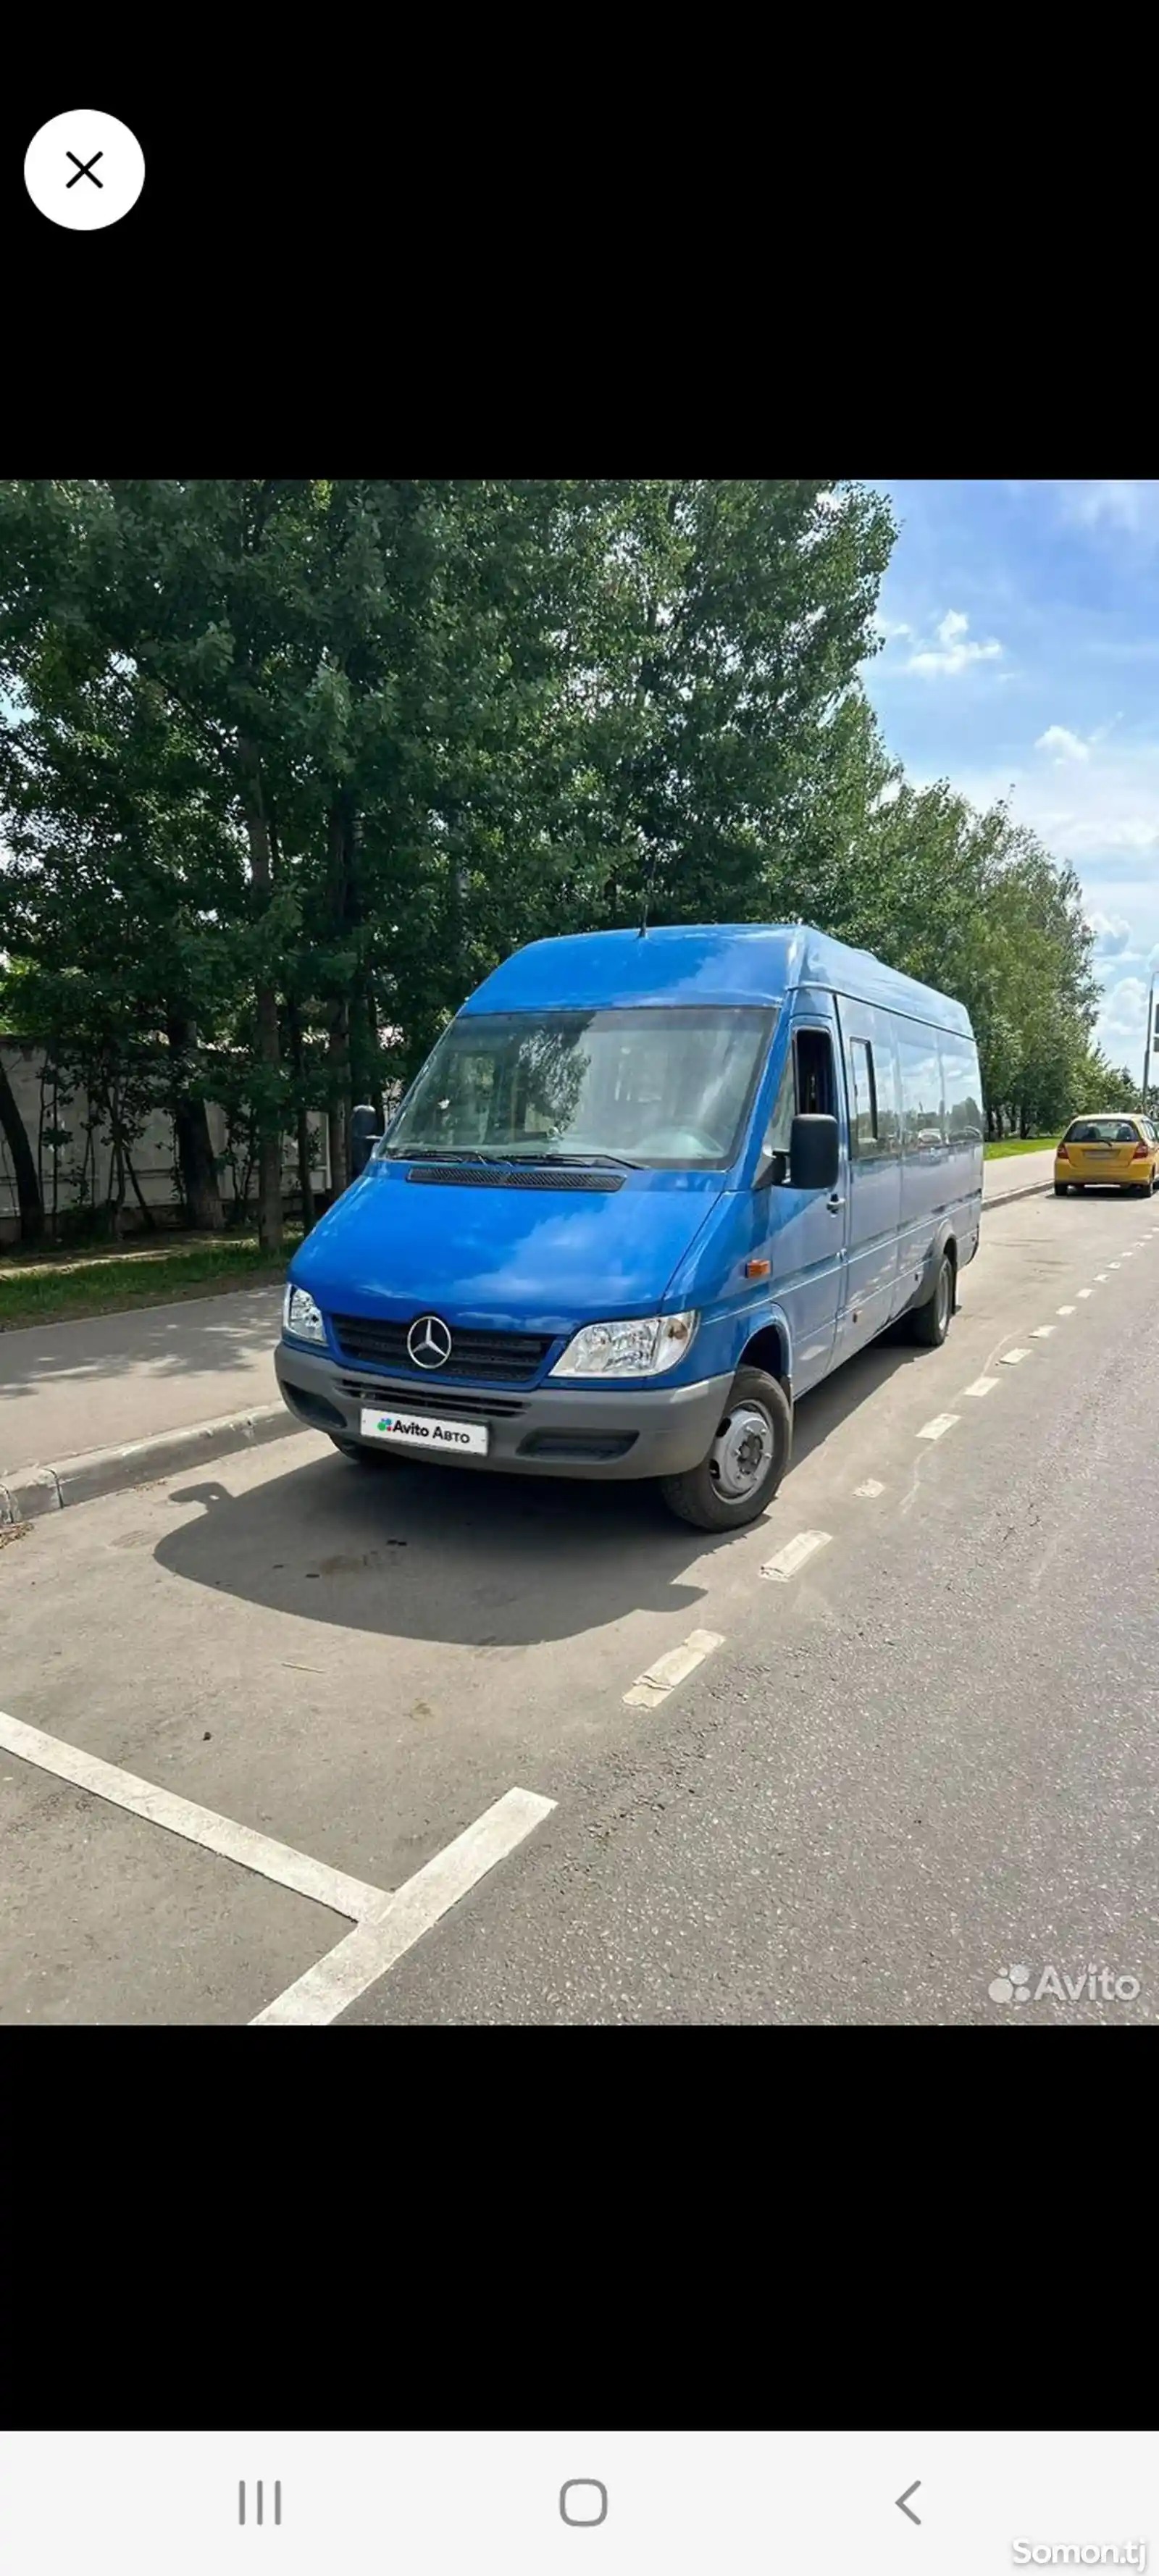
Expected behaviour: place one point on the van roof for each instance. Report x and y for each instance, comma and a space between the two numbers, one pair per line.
729, 962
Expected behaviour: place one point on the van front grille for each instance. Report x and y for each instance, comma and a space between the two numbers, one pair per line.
493, 1359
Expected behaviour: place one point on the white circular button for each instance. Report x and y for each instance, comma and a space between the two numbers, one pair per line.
84, 170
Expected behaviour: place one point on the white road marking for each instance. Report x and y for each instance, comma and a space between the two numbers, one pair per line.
1116, 1265
663, 1675
1086, 1292
936, 1430
402, 1919
1042, 1332
789, 1559
1100, 1275
1064, 1310
386, 1924
194, 1824
1010, 1359
982, 1386
869, 1489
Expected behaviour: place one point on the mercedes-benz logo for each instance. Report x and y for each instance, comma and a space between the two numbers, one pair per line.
429, 1342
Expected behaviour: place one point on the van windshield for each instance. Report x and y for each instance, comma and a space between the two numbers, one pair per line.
666, 1086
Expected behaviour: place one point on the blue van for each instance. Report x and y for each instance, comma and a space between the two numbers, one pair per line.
646, 1191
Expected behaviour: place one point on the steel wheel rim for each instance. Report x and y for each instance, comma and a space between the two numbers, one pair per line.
742, 1451
943, 1297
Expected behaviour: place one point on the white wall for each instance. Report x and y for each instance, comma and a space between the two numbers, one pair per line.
154, 1152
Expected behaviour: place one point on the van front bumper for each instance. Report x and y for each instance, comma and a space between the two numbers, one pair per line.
550, 1431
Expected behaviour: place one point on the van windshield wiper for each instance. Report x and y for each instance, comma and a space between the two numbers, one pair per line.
617, 1162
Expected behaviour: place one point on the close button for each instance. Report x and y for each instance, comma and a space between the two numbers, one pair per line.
583, 2502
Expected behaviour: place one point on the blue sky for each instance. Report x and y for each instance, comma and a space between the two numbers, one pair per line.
1021, 658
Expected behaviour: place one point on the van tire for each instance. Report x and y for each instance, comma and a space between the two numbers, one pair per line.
929, 1323
696, 1496
1061, 1189
361, 1452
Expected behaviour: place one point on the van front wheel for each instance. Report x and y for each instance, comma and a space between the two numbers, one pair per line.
748, 1457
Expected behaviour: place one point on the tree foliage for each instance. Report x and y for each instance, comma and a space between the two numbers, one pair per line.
286, 766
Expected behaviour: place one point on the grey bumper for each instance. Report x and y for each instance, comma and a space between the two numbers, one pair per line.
549, 1431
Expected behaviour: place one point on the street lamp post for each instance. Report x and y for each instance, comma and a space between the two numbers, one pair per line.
1147, 1044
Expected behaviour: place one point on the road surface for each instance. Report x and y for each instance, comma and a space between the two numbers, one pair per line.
920, 1753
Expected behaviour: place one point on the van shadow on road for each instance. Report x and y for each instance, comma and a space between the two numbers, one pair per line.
455, 1558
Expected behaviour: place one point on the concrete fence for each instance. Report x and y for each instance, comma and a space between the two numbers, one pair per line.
154, 1152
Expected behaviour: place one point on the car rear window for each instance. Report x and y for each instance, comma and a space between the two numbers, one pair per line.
1101, 1131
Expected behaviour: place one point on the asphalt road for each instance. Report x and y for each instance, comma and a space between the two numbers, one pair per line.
927, 1756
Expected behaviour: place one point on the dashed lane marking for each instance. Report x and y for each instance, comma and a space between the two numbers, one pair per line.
1086, 1292
789, 1560
1010, 1359
1042, 1332
1064, 1310
982, 1386
662, 1676
937, 1429
870, 1489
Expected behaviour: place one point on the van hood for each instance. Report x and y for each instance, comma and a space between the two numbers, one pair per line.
511, 1260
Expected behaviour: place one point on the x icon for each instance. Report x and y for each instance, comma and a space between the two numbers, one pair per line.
84, 170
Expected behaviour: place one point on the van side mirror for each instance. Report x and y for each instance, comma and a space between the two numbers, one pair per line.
364, 1133
814, 1153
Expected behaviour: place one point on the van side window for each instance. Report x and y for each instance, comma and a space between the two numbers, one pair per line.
921, 1093
807, 1084
961, 1089
816, 1088
784, 1109
864, 1138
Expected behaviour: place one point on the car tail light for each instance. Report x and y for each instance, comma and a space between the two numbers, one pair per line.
1142, 1154
1063, 1156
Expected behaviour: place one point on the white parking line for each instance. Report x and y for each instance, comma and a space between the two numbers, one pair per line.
1100, 1275
195, 1824
663, 1675
1042, 1332
870, 1489
402, 1919
386, 1923
1064, 1310
1086, 1292
936, 1430
982, 1386
789, 1559
1010, 1359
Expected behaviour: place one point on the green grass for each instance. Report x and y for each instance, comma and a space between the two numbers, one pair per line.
1019, 1145
63, 1287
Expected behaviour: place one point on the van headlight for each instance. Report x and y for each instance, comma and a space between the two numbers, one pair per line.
643, 1348
301, 1317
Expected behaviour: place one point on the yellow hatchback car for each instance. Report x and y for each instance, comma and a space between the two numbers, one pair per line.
1112, 1153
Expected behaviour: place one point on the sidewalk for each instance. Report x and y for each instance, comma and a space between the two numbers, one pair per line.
92, 1407
115, 1378
1015, 1176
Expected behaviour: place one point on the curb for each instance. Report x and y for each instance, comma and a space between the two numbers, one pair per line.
1029, 1190
29, 1491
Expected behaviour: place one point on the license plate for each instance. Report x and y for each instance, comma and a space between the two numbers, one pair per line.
426, 1431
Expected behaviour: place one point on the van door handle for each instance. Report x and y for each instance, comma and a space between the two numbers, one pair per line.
834, 1202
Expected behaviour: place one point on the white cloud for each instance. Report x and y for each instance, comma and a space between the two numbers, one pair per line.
1112, 934
956, 650
891, 629
1134, 506
1064, 744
